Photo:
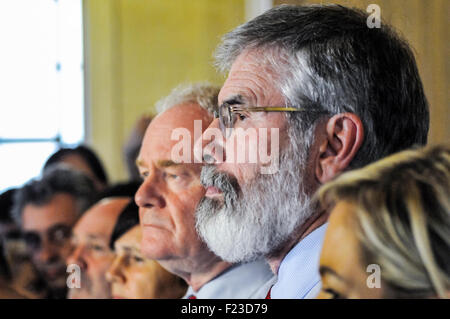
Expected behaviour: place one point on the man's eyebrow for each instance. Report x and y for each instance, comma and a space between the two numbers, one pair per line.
128, 249
166, 163
139, 162
234, 99
323, 270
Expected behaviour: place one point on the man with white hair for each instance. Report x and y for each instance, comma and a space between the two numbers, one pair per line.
168, 197
339, 95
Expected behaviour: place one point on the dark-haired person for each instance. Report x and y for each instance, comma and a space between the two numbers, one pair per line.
7, 224
390, 219
18, 275
91, 248
46, 210
132, 275
83, 159
337, 95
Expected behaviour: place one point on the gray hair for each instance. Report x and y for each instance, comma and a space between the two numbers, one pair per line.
56, 179
326, 59
203, 94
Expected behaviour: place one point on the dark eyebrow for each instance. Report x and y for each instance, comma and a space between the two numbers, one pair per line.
323, 270
235, 99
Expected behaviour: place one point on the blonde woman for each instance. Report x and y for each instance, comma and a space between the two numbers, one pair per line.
389, 230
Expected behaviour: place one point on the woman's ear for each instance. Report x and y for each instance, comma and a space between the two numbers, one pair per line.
344, 137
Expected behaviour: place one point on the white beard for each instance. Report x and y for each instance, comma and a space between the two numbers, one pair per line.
258, 221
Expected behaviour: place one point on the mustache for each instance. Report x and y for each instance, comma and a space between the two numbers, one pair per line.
228, 184
211, 177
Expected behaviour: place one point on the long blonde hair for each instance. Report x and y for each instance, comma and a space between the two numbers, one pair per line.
403, 213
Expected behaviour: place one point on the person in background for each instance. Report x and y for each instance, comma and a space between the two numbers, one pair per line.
133, 276
133, 145
323, 93
7, 224
389, 229
83, 159
91, 251
169, 194
6, 292
46, 210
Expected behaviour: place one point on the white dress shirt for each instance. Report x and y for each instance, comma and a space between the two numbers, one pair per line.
241, 281
298, 275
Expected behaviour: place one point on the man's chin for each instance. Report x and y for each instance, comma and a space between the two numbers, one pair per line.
152, 249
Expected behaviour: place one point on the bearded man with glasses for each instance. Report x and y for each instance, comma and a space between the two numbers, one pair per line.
339, 95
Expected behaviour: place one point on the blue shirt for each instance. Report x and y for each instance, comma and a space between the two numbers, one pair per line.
298, 275
241, 281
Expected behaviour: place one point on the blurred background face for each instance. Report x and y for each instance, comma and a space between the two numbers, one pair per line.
342, 270
24, 277
91, 252
170, 192
47, 229
133, 276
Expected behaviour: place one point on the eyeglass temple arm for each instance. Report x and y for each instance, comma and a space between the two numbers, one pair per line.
266, 109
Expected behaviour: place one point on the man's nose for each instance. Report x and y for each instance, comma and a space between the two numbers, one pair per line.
77, 257
48, 253
212, 144
148, 194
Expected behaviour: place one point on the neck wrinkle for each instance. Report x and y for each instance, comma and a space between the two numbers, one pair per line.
312, 223
198, 279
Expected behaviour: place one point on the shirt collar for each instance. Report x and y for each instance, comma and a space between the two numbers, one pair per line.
299, 270
241, 281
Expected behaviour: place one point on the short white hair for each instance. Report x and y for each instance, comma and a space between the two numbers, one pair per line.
203, 94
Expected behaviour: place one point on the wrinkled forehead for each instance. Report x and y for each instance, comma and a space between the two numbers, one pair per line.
252, 79
179, 126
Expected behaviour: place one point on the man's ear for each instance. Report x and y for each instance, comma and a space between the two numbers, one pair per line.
344, 137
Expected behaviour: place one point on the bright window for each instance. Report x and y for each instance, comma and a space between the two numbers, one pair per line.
41, 81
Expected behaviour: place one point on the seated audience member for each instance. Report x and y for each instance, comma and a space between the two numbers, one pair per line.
6, 292
46, 210
389, 231
133, 276
133, 145
91, 250
7, 224
18, 275
168, 197
325, 94
81, 158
